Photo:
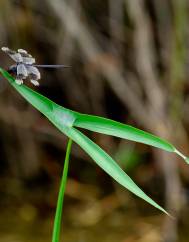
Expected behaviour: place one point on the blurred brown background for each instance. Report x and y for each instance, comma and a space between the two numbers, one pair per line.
129, 62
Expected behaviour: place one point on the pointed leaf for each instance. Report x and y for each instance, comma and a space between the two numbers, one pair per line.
110, 127
107, 164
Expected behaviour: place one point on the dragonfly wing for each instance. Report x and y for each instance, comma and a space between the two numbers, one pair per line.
13, 54
34, 75
33, 72
22, 51
27, 58
22, 71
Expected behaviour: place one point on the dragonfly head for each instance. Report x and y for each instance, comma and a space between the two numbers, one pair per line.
12, 70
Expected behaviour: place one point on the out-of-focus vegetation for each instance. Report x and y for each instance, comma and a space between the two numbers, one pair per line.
130, 63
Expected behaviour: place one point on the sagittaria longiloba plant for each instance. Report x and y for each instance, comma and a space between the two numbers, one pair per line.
67, 121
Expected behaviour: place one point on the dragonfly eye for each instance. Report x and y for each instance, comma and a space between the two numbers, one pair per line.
12, 70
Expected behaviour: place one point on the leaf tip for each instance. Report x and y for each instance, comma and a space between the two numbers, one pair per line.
183, 156
187, 160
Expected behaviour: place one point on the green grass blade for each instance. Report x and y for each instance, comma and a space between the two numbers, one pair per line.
59, 207
124, 131
110, 127
108, 164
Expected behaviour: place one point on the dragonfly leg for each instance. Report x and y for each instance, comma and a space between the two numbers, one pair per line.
34, 82
19, 81
34, 79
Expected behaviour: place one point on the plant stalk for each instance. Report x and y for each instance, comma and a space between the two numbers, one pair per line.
59, 207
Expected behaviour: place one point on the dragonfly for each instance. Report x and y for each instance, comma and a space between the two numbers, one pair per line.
25, 66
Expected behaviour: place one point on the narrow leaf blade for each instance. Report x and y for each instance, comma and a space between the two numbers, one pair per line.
108, 164
110, 127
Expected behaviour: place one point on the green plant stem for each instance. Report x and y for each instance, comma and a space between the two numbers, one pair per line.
59, 207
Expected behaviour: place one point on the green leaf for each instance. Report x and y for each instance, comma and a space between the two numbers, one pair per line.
110, 127
107, 164
113, 128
